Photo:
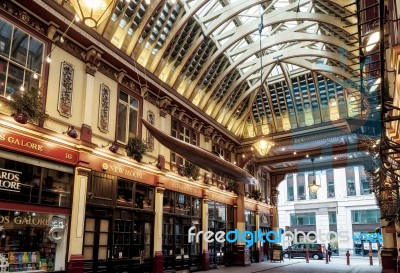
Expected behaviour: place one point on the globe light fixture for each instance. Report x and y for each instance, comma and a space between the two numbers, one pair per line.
93, 12
313, 187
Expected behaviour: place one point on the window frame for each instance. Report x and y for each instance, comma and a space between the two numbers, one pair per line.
137, 97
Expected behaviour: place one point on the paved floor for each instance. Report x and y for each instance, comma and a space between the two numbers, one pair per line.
337, 265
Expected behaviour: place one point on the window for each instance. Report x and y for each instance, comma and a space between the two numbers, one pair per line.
128, 108
330, 184
184, 133
366, 216
332, 217
351, 185
302, 219
290, 190
21, 56
312, 177
301, 193
364, 184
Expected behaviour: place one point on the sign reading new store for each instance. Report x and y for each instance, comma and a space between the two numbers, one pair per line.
9, 180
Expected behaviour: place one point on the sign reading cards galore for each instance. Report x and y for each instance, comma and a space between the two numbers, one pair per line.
9, 180
37, 147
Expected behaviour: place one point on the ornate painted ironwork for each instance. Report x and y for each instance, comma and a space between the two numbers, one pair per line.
64, 105
104, 108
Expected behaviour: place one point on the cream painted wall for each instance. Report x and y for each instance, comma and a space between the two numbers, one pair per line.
113, 86
56, 121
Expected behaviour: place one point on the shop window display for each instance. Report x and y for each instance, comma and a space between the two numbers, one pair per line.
30, 241
35, 184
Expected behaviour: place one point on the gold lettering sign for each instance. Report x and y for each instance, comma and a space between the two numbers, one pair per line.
121, 171
220, 198
9, 180
26, 220
182, 187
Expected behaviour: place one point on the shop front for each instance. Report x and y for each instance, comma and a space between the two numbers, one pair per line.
181, 212
265, 227
119, 222
35, 203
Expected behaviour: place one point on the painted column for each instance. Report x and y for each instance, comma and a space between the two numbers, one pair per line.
242, 254
258, 243
75, 251
388, 250
158, 266
205, 262
92, 58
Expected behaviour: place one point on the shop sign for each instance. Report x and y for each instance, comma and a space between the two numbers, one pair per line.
220, 198
37, 147
9, 180
24, 220
122, 171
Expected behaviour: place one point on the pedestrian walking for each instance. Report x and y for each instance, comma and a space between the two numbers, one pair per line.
329, 251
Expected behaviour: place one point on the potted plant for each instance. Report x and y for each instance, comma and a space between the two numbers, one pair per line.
27, 106
233, 186
136, 148
191, 170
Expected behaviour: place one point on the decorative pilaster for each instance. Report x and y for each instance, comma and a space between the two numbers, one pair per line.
158, 265
92, 59
258, 243
388, 251
205, 261
241, 253
75, 251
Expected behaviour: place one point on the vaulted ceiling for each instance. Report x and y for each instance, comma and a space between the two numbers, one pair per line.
255, 67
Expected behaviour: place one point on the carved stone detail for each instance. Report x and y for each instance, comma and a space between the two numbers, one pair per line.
92, 60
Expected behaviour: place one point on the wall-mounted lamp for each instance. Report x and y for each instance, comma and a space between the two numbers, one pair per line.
71, 132
206, 178
113, 146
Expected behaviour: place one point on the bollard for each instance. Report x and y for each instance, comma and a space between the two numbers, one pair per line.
371, 262
348, 257
307, 256
326, 257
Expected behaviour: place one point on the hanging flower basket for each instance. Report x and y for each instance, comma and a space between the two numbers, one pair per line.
27, 106
136, 148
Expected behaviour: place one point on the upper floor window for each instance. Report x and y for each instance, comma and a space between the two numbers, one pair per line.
364, 184
351, 184
290, 190
365, 216
330, 184
312, 177
21, 59
184, 133
332, 218
301, 191
128, 109
302, 219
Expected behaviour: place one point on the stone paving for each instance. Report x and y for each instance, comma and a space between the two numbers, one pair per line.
298, 265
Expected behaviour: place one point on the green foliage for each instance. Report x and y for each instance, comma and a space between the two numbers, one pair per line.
28, 103
191, 170
233, 186
136, 148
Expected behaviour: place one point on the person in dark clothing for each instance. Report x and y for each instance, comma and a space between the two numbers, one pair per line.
329, 251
